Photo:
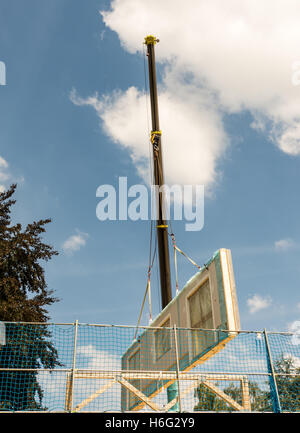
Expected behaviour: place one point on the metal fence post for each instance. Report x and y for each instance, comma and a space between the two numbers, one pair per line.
73, 366
277, 405
177, 367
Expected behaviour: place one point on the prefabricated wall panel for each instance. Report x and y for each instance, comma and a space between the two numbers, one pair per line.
207, 301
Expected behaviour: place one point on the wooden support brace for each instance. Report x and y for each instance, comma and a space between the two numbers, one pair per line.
139, 394
223, 396
199, 361
115, 376
95, 395
246, 394
68, 399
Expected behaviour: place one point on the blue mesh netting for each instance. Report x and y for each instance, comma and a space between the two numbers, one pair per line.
220, 371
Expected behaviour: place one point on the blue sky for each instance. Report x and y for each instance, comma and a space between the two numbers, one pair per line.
59, 149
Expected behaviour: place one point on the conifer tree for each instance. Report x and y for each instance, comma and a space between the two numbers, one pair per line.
24, 297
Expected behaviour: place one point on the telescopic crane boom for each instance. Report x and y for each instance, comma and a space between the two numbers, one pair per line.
161, 223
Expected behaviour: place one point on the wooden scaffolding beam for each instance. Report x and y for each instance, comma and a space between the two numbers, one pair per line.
123, 377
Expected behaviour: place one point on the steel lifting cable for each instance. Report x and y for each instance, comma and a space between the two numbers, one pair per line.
144, 300
185, 255
175, 261
148, 290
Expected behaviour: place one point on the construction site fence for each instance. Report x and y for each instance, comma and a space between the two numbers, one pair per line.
74, 367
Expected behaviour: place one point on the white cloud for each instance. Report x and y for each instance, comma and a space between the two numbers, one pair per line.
294, 360
95, 359
3, 163
193, 137
284, 244
289, 140
295, 328
4, 174
242, 53
91, 358
257, 303
74, 242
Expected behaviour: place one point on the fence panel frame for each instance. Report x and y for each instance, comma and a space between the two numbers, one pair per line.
276, 400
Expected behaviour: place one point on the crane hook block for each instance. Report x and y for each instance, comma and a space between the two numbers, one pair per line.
150, 40
155, 136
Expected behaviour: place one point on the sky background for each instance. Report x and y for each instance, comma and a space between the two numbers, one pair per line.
73, 116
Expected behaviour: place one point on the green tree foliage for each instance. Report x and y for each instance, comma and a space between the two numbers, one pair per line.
261, 398
24, 297
209, 401
288, 383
